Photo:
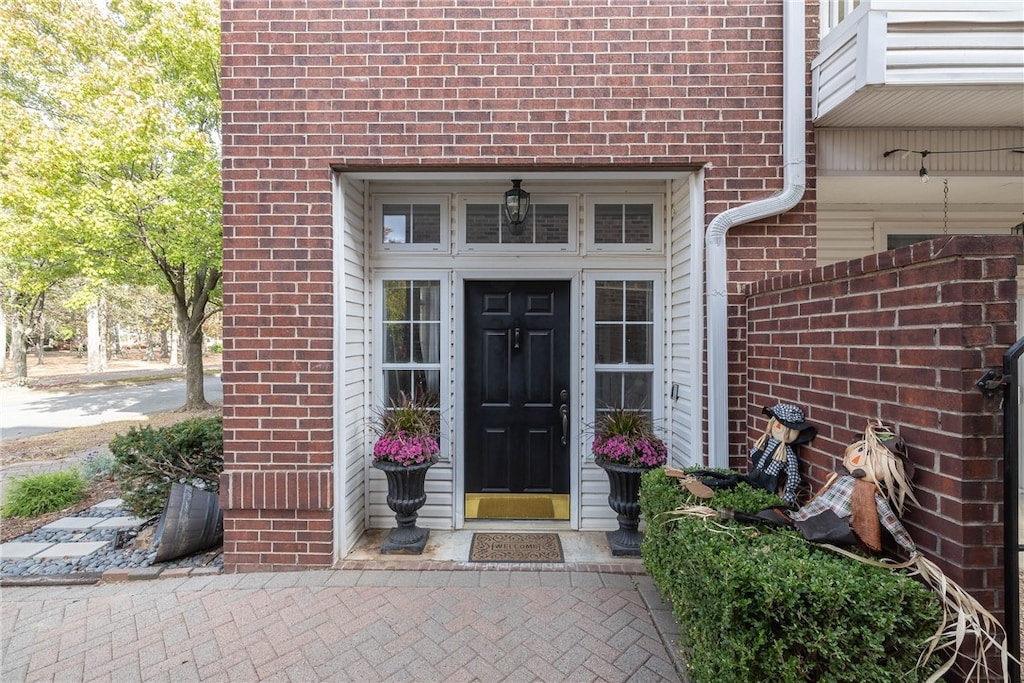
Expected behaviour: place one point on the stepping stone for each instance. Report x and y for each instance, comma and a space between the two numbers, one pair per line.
110, 503
61, 550
21, 551
120, 523
73, 523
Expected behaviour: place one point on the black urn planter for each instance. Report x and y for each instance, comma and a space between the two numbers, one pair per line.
406, 495
624, 499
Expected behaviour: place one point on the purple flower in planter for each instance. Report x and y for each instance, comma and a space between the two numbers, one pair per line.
408, 431
404, 449
630, 449
626, 436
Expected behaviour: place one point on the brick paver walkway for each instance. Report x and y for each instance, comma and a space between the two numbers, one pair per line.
349, 625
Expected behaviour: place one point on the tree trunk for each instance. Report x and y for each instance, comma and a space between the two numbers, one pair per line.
97, 349
114, 334
195, 391
3, 341
191, 331
19, 350
172, 359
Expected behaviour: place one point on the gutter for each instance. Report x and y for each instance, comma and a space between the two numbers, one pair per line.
794, 165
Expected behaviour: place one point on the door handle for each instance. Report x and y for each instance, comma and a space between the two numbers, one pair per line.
515, 342
564, 410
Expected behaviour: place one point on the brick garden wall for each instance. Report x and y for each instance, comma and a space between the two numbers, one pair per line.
446, 84
902, 336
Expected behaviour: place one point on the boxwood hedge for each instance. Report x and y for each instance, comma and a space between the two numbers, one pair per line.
758, 603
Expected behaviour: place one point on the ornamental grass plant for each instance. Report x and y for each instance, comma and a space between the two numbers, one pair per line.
41, 493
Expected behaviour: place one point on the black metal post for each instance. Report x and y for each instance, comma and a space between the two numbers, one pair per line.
1011, 511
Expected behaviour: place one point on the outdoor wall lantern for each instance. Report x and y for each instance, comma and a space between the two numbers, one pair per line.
517, 205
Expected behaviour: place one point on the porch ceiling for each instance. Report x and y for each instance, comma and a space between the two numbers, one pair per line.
916, 106
907, 190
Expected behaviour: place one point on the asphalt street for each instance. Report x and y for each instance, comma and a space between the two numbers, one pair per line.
28, 412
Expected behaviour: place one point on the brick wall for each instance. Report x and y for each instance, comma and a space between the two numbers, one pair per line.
902, 336
442, 84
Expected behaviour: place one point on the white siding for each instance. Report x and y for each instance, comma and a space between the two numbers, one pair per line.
685, 329
904, 62
354, 387
852, 58
594, 511
861, 150
966, 46
843, 239
844, 236
436, 513
595, 514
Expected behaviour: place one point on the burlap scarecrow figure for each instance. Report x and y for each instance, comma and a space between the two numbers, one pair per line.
858, 501
775, 451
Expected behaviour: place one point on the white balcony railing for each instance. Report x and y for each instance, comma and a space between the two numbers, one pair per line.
834, 11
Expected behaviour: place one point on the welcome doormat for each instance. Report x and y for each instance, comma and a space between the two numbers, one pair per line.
515, 547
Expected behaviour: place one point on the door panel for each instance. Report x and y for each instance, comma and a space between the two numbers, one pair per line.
517, 365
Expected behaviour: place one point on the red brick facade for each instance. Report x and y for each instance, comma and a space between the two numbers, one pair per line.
446, 84
902, 336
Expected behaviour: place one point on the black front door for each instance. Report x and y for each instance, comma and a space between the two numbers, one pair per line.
517, 387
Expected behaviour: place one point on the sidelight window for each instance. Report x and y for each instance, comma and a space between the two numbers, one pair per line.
412, 340
624, 344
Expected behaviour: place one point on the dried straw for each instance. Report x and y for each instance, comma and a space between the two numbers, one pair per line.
888, 466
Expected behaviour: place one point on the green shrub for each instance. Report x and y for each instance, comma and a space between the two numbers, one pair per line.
147, 461
42, 493
758, 603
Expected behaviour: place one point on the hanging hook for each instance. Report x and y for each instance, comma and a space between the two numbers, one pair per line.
991, 382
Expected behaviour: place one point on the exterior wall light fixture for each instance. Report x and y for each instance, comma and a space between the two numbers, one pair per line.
517, 205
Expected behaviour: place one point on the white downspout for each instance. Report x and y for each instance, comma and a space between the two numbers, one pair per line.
794, 168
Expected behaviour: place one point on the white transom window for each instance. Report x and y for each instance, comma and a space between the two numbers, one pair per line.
550, 225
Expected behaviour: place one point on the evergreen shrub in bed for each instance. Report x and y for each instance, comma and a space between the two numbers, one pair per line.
758, 603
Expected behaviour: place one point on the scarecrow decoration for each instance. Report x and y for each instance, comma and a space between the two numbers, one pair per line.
868, 493
774, 451
858, 501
